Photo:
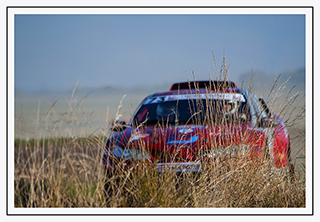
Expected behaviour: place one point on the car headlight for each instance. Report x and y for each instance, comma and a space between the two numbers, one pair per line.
131, 154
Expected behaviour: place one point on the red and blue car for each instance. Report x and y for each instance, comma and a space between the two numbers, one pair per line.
196, 123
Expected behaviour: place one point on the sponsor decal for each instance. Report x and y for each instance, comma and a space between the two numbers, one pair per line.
139, 136
226, 132
193, 127
215, 96
184, 131
180, 141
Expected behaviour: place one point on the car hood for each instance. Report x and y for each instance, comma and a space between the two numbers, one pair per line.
186, 140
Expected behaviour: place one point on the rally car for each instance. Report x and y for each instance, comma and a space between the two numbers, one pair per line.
195, 123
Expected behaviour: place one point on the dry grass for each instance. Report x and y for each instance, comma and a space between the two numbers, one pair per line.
68, 172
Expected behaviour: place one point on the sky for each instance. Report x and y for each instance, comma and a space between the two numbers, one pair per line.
54, 52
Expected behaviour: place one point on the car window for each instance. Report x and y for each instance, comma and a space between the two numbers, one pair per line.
187, 109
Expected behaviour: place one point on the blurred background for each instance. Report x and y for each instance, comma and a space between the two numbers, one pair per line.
71, 71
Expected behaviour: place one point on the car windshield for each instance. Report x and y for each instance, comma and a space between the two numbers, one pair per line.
193, 109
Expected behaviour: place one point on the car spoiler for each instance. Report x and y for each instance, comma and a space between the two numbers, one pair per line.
214, 85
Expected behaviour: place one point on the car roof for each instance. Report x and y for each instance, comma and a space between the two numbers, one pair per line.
195, 91
201, 87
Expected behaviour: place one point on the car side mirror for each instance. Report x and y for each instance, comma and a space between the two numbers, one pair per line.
265, 107
267, 123
118, 126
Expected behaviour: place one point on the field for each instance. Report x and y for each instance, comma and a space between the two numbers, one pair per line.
58, 161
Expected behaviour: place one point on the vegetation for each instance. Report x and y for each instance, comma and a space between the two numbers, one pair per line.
68, 172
